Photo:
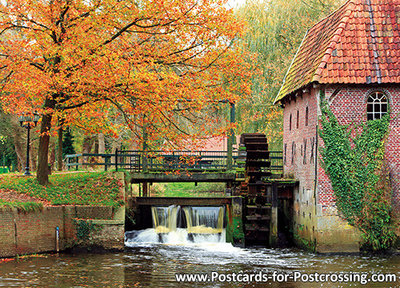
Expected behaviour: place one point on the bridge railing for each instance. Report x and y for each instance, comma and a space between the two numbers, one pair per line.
174, 160
85, 160
139, 161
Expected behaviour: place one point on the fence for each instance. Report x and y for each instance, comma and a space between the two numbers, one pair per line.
156, 161
136, 160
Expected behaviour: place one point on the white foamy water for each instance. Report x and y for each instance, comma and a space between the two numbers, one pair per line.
178, 237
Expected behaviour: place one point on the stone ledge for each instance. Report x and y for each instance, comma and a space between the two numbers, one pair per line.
103, 221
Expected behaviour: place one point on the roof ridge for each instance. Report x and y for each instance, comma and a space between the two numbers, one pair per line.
287, 71
331, 14
334, 40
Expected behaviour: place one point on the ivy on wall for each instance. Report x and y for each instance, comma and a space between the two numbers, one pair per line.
353, 157
84, 228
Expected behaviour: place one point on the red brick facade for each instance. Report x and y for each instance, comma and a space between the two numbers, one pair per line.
349, 106
348, 102
349, 55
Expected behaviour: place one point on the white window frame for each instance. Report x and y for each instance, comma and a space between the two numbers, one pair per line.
379, 103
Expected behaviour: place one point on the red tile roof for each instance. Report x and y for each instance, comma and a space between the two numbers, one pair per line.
358, 44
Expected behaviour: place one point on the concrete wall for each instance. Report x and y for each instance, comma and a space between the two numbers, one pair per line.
35, 232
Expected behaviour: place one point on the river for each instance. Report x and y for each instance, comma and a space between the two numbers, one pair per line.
146, 263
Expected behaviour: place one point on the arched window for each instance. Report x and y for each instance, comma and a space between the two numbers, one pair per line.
290, 122
306, 122
297, 120
377, 106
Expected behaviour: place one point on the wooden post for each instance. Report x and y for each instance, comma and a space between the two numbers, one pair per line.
60, 145
105, 163
273, 230
231, 138
116, 159
145, 189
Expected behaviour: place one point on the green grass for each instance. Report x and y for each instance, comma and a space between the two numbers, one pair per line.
183, 189
98, 188
22, 206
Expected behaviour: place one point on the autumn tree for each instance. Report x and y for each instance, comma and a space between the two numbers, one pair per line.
276, 29
73, 59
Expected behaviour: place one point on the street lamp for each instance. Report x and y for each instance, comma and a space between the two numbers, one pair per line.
27, 121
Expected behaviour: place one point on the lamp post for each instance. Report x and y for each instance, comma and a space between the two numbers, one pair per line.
27, 121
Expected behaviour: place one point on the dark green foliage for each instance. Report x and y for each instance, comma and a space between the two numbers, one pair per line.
8, 157
67, 145
353, 158
84, 228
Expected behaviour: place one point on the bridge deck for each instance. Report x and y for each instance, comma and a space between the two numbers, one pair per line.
134, 177
182, 201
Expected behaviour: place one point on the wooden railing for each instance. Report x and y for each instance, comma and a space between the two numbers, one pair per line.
156, 161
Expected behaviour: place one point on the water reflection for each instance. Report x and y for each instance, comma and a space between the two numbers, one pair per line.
155, 265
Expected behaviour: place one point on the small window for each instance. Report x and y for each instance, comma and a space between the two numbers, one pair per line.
293, 151
377, 106
297, 120
290, 122
306, 120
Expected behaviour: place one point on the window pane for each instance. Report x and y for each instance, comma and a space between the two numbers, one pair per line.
376, 106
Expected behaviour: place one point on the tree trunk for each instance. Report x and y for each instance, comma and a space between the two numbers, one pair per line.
44, 140
102, 144
19, 150
52, 159
60, 146
87, 146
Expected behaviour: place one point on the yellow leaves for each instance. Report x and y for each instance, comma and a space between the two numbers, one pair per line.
169, 60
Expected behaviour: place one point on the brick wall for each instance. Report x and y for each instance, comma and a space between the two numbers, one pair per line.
349, 106
35, 232
299, 148
315, 214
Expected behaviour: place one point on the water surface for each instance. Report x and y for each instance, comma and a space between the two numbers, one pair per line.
146, 263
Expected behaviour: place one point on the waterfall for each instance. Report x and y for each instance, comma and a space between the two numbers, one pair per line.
174, 225
204, 220
165, 219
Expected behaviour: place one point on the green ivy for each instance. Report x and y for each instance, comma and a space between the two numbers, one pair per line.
353, 158
84, 228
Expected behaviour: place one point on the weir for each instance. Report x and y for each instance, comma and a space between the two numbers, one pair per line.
258, 211
204, 220
175, 224
165, 219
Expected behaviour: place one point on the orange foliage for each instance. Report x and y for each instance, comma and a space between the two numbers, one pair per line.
72, 59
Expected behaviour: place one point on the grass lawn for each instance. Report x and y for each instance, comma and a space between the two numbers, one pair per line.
23, 206
84, 188
183, 189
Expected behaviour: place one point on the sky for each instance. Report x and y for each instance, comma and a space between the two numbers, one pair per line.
235, 3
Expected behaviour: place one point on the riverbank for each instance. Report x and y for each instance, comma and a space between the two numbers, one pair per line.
79, 210
82, 188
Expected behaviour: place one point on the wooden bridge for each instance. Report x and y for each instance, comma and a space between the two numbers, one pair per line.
252, 172
137, 161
